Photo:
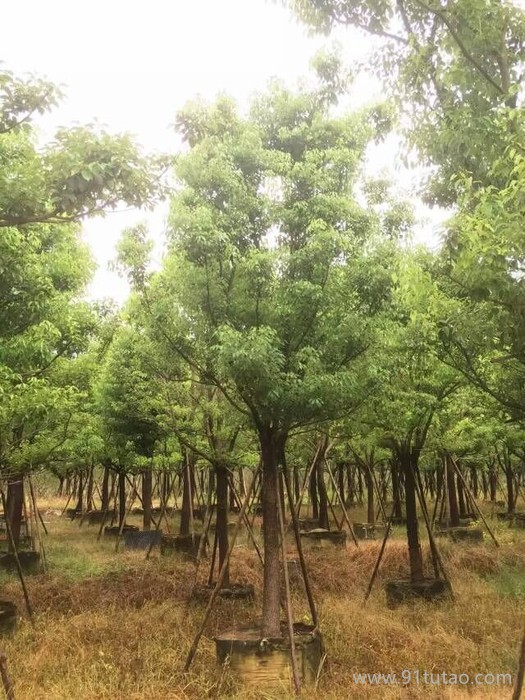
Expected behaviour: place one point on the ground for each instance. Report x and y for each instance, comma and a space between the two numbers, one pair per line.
115, 626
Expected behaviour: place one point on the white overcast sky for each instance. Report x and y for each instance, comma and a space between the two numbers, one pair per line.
131, 64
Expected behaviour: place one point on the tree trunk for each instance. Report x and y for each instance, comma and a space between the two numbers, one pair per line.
80, 493
324, 521
341, 481
271, 534
121, 497
187, 496
396, 489
461, 497
222, 518
509, 478
474, 481
89, 490
369, 480
350, 472
493, 483
313, 494
296, 483
14, 505
452, 493
414, 545
147, 489
105, 489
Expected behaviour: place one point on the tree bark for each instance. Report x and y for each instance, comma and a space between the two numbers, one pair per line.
105, 489
147, 489
221, 473
271, 530
370, 509
452, 493
396, 489
80, 493
121, 497
414, 545
14, 505
324, 521
313, 494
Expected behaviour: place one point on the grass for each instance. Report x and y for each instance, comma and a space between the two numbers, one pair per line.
114, 626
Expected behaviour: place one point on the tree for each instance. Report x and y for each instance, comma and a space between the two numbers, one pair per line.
454, 69
274, 271
84, 171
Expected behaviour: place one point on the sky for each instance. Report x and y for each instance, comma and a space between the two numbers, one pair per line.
131, 64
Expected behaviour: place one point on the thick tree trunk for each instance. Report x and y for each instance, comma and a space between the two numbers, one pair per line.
222, 518
121, 497
452, 493
271, 534
414, 545
147, 490
15, 505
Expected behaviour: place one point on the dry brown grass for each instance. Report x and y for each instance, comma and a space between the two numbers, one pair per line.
116, 626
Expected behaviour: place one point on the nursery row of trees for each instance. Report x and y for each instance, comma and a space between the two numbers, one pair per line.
291, 323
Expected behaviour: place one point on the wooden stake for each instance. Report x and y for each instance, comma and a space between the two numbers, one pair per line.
289, 613
380, 555
246, 519
520, 675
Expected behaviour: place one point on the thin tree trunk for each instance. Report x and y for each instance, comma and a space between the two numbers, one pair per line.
452, 493
121, 497
105, 489
147, 488
222, 518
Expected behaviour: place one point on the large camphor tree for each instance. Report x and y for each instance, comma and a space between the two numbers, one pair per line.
274, 272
